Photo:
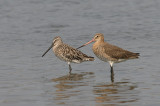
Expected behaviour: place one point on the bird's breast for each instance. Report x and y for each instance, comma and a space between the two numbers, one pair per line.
99, 51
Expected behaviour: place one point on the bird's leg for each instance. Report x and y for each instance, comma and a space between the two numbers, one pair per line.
112, 74
70, 68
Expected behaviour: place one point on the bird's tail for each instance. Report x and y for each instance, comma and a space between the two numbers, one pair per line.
137, 54
134, 55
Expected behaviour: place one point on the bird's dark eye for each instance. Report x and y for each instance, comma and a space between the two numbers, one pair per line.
97, 36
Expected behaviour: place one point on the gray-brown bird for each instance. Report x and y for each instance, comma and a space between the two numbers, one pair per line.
67, 53
109, 53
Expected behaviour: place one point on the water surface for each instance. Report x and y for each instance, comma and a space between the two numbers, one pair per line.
28, 27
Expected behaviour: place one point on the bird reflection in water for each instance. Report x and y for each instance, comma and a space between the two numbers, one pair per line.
67, 83
115, 94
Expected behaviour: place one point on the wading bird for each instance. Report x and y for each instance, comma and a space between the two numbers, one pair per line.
67, 53
109, 53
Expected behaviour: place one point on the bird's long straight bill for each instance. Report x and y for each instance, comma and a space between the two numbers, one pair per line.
86, 43
47, 49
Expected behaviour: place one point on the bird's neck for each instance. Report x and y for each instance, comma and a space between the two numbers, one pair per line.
97, 43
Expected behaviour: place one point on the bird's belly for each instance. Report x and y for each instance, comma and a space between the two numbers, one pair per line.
120, 60
102, 58
63, 58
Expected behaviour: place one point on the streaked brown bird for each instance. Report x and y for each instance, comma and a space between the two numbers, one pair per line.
67, 53
109, 53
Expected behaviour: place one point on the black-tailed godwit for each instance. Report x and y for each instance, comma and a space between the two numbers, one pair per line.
109, 53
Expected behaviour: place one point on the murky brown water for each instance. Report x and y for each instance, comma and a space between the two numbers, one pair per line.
27, 28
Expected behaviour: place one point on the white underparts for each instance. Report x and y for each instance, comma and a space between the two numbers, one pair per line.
69, 63
111, 63
76, 61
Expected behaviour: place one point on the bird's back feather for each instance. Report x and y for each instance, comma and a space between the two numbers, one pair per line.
68, 53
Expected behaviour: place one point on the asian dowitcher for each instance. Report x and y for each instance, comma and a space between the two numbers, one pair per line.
67, 53
109, 53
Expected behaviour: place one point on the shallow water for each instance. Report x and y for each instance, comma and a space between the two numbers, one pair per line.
28, 27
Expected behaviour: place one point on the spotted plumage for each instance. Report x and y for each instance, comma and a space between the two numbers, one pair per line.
67, 53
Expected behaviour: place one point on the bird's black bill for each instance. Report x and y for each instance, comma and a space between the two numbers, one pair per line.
80, 47
48, 49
